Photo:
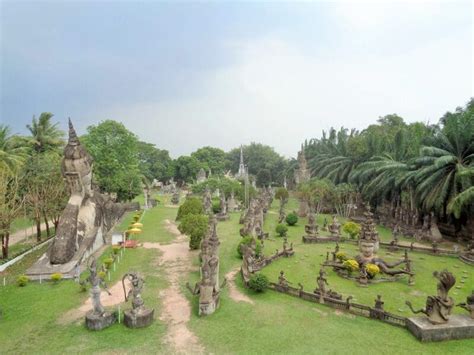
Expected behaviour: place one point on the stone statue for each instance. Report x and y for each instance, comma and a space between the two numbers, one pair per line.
208, 288
322, 283
469, 305
98, 318
282, 281
335, 227
88, 216
207, 201
222, 215
175, 197
311, 228
325, 225
438, 308
138, 316
201, 176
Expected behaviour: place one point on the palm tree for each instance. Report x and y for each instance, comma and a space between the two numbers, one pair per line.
332, 156
45, 136
465, 198
450, 153
12, 153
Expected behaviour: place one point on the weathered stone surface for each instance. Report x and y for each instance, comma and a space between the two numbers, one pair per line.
140, 320
99, 322
458, 327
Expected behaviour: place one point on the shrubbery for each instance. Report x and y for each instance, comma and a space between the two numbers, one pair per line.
216, 206
351, 228
372, 269
247, 241
194, 226
22, 280
258, 282
341, 256
192, 205
351, 265
281, 230
281, 194
56, 277
291, 219
108, 263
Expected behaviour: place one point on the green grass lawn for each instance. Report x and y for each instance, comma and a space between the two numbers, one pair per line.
276, 323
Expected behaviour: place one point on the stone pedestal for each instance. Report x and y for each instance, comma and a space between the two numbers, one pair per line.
96, 322
459, 326
139, 320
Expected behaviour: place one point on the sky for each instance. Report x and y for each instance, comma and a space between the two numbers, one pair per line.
183, 75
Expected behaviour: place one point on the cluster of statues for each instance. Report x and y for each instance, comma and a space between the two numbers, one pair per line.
99, 318
312, 230
208, 288
253, 218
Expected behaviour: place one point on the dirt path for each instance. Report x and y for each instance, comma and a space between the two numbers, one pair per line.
176, 261
30, 232
234, 292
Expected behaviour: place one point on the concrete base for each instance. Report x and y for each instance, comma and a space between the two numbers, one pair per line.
308, 239
94, 322
141, 320
459, 326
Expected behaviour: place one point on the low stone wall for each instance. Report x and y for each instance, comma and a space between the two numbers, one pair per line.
347, 305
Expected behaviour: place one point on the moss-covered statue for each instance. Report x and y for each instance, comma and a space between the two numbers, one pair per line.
438, 308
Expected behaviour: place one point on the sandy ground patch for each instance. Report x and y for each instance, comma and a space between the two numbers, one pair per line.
234, 292
107, 300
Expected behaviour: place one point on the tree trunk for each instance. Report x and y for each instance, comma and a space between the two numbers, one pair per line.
38, 229
48, 233
2, 237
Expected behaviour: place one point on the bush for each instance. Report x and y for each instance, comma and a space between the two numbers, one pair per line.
116, 249
102, 274
56, 277
351, 228
372, 269
291, 219
351, 265
248, 241
281, 230
108, 263
341, 256
258, 282
22, 280
194, 226
216, 206
192, 205
281, 194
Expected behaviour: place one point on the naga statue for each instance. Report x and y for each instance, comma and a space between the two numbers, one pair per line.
138, 316
438, 308
469, 305
84, 222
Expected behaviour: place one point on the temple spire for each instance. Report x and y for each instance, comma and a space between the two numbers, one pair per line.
73, 140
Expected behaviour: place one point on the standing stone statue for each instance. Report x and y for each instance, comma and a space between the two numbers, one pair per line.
98, 318
335, 227
322, 283
438, 308
207, 201
138, 316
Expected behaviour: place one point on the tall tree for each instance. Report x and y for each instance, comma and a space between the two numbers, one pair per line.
116, 162
210, 158
44, 134
154, 163
12, 151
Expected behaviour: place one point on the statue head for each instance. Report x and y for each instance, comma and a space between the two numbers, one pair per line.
367, 248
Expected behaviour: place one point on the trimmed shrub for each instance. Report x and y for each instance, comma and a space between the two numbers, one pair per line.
247, 241
351, 265
341, 256
22, 280
372, 269
194, 226
192, 205
102, 274
56, 277
258, 282
108, 263
116, 249
291, 219
351, 228
281, 230
281, 194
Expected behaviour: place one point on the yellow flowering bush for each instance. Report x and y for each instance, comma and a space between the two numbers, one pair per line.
351, 265
341, 256
372, 269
